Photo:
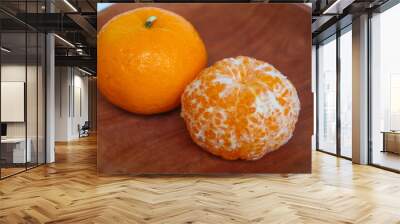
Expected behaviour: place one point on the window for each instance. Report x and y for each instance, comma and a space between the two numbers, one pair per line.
327, 96
22, 88
346, 93
385, 89
394, 102
334, 106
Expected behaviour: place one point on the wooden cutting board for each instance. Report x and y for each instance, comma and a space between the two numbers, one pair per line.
279, 34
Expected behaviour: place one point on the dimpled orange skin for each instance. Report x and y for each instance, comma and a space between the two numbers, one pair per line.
240, 108
143, 69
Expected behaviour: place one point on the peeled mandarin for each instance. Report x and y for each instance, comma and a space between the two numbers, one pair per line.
240, 108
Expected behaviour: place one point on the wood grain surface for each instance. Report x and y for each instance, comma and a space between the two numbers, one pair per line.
279, 34
69, 191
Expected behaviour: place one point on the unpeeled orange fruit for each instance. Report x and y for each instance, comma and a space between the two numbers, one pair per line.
240, 108
146, 57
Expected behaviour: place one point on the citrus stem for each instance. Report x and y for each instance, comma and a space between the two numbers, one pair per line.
149, 22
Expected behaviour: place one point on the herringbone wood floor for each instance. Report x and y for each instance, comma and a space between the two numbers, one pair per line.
70, 191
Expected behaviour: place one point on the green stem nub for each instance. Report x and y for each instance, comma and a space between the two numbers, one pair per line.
149, 22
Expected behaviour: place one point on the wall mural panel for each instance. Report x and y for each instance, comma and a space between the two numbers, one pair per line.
204, 89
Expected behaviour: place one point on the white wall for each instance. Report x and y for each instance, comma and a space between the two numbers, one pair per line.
61, 103
81, 103
71, 93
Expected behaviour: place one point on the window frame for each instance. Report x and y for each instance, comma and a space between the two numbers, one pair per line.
334, 37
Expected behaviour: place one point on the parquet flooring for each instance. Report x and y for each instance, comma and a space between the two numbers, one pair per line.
70, 191
10, 171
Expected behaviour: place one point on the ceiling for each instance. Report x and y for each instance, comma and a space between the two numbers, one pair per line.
16, 42
75, 22
72, 20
